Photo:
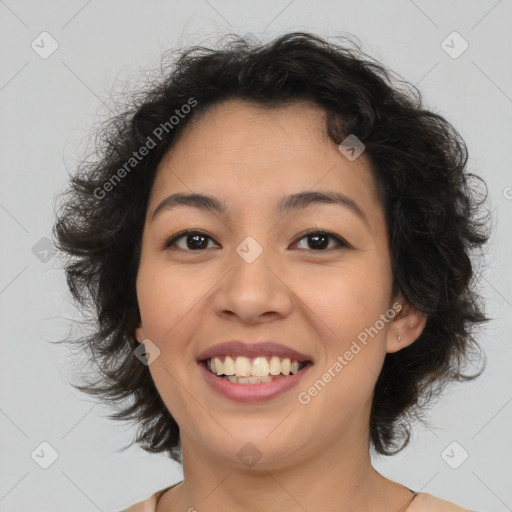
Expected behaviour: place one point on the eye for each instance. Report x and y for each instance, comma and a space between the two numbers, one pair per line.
194, 240
197, 241
319, 240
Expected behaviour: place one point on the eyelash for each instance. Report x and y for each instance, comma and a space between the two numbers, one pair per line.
340, 241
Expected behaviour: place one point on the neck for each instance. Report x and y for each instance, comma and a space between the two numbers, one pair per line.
339, 477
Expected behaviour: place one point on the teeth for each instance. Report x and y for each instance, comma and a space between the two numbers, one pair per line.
229, 366
257, 367
275, 365
219, 367
249, 380
242, 367
260, 367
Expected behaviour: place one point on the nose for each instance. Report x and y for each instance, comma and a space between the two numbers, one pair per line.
254, 290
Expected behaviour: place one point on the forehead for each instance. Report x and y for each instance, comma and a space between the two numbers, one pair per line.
238, 131
247, 154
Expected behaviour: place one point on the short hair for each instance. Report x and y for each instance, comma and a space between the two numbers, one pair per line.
433, 209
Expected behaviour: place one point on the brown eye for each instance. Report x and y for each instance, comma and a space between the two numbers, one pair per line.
194, 241
319, 240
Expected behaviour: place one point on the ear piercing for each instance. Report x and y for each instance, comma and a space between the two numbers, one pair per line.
399, 338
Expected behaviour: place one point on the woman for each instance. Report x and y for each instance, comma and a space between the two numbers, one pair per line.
276, 243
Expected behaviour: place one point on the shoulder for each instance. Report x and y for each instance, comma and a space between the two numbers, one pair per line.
147, 505
425, 502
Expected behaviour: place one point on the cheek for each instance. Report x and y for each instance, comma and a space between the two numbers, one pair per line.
346, 306
347, 300
168, 302
165, 298
345, 309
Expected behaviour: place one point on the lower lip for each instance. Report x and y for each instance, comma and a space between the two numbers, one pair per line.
252, 392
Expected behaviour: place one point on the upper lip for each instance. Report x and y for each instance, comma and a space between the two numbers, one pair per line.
263, 348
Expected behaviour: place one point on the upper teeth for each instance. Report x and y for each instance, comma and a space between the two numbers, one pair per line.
259, 366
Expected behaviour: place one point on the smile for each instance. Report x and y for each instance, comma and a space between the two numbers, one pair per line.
245, 379
245, 370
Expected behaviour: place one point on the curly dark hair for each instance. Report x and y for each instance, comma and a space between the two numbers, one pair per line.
433, 212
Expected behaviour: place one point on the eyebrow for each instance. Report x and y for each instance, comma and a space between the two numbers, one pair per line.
293, 202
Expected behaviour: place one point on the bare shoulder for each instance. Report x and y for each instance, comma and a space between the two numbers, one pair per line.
425, 502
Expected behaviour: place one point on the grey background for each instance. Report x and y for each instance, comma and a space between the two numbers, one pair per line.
49, 107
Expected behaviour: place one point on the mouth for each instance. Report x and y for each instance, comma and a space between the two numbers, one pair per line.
253, 370
243, 386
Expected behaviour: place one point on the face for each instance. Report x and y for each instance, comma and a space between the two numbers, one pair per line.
317, 293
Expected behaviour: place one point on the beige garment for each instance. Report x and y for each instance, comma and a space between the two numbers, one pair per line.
425, 502
148, 505
422, 502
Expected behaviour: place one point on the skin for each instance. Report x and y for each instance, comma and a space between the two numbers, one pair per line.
315, 457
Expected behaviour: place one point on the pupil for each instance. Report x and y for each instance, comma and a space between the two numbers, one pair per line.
195, 237
321, 245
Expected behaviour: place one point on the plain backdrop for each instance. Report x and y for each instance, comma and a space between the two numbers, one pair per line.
59, 63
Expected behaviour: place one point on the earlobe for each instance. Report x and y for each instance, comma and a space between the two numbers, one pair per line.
139, 333
405, 328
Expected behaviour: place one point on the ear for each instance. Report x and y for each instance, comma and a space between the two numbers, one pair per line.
139, 333
406, 327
